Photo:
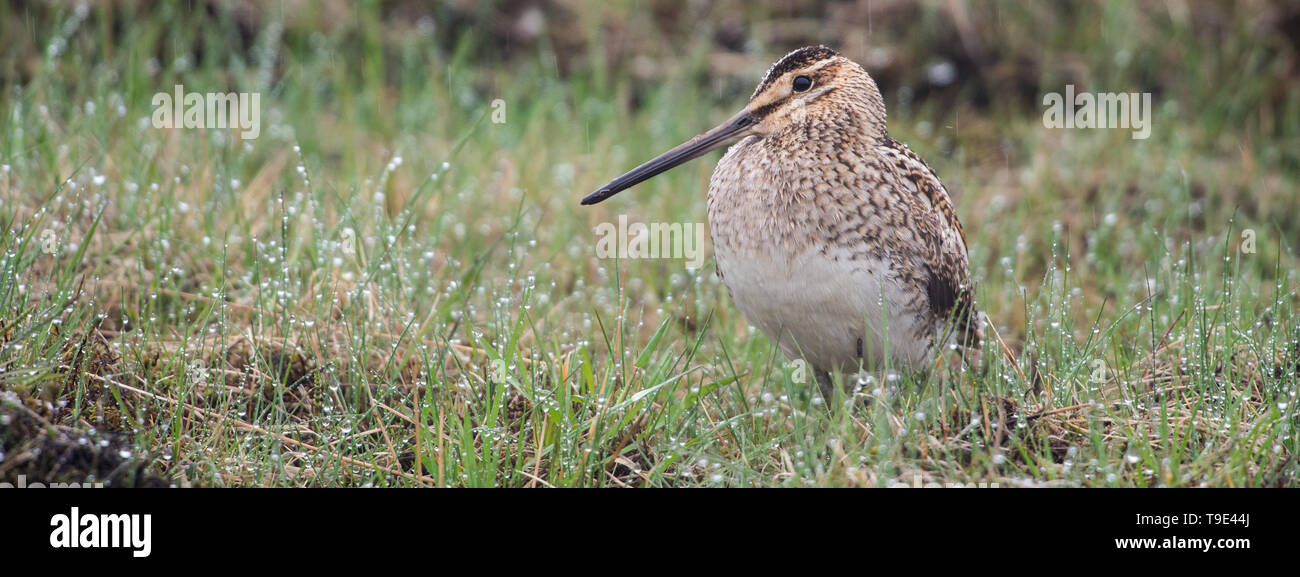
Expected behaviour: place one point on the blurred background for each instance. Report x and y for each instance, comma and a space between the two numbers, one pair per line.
963, 81
1233, 61
192, 256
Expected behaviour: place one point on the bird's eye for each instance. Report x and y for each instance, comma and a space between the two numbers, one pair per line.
802, 83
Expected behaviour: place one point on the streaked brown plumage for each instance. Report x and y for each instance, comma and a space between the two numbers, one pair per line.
834, 239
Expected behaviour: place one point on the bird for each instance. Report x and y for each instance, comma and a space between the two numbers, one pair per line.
835, 240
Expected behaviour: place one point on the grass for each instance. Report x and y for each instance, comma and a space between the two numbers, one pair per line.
390, 288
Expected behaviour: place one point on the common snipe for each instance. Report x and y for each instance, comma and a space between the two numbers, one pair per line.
834, 239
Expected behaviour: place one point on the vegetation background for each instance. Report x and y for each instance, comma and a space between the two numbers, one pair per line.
388, 287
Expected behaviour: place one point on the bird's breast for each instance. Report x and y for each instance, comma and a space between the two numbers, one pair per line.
804, 261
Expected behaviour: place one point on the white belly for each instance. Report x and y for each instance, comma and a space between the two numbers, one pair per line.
819, 309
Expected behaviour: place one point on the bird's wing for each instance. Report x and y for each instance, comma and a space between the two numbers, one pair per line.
925, 181
950, 290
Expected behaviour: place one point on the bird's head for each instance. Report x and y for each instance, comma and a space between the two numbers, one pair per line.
807, 85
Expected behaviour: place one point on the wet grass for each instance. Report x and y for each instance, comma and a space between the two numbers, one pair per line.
390, 287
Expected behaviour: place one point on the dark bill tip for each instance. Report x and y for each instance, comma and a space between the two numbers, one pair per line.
598, 196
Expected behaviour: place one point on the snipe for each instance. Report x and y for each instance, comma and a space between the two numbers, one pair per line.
834, 239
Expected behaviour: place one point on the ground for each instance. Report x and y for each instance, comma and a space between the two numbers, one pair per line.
394, 284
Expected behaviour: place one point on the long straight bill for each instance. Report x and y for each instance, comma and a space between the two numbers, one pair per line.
730, 131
